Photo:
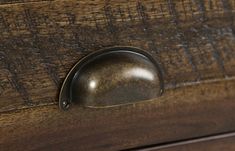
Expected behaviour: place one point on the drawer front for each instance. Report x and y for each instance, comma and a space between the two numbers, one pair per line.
41, 40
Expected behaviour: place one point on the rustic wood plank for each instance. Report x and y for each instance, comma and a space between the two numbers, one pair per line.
204, 109
41, 40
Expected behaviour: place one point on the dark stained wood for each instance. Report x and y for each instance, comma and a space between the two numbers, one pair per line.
205, 109
40, 40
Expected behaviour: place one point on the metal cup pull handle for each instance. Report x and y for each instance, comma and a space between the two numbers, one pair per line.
110, 77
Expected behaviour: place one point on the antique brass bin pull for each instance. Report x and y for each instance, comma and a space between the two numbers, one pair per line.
110, 77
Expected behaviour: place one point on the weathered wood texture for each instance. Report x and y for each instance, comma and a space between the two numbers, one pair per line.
41, 40
204, 110
194, 41
215, 143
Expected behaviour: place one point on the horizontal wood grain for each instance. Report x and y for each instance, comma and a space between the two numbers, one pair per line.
204, 109
39, 42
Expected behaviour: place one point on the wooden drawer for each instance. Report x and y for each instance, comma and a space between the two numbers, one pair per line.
40, 41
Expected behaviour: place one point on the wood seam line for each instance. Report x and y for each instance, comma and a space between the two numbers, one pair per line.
186, 142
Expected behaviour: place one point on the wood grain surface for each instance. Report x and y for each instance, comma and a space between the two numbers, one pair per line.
40, 40
205, 109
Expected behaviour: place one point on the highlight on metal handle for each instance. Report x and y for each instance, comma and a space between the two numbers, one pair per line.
110, 77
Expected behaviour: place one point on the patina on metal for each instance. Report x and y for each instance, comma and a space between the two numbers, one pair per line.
110, 77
